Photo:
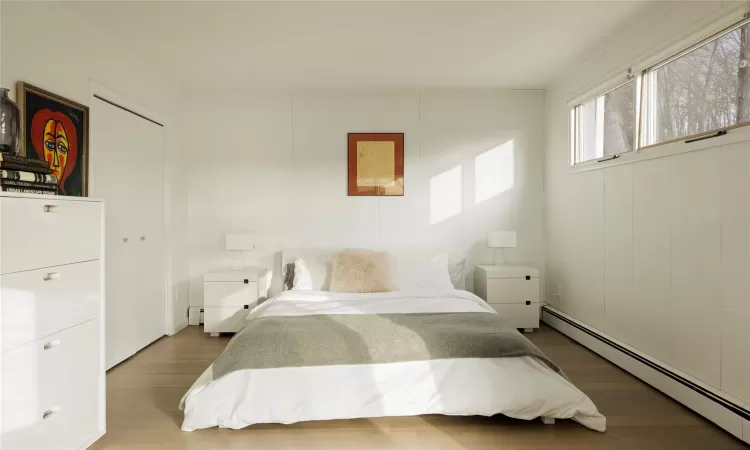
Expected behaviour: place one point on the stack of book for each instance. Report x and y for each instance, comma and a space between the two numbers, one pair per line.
26, 175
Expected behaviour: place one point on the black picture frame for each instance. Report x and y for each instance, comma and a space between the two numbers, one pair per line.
40, 108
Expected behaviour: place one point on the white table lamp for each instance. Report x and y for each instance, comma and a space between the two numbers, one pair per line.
501, 239
240, 243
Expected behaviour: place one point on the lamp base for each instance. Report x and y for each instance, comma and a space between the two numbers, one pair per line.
241, 263
494, 257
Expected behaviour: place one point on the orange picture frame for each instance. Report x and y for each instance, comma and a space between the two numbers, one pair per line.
376, 164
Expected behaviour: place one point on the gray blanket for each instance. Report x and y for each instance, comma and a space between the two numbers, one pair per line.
329, 340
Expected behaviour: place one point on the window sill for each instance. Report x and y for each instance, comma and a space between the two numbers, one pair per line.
660, 151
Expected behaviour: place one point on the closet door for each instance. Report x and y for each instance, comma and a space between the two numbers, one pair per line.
149, 248
127, 172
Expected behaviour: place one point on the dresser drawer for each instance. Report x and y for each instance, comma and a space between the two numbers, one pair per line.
512, 290
229, 294
38, 303
519, 315
50, 390
224, 320
47, 232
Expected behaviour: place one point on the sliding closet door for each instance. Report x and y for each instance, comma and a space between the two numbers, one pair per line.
127, 172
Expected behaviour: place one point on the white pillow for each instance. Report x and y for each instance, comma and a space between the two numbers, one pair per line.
457, 272
301, 280
311, 274
424, 273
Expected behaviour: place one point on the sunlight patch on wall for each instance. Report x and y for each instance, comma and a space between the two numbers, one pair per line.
445, 195
493, 172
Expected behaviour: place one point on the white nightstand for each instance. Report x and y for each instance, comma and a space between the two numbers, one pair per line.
228, 295
512, 291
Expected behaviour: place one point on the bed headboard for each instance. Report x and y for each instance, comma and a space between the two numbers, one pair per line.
290, 254
325, 255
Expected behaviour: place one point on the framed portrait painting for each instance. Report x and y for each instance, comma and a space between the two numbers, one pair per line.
55, 130
376, 164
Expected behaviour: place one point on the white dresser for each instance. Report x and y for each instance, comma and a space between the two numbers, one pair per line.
51, 312
512, 291
228, 295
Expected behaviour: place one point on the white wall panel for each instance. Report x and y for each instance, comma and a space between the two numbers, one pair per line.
582, 283
695, 305
240, 174
651, 257
275, 165
620, 307
391, 227
735, 260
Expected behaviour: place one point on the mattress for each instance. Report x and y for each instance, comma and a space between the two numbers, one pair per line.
518, 387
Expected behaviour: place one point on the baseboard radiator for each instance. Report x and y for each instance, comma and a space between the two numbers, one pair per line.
728, 413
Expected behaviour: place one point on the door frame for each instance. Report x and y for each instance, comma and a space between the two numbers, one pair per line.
98, 89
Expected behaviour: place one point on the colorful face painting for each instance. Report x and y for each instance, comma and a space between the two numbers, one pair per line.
56, 130
54, 136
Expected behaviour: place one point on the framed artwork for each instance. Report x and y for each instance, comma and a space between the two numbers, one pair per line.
376, 164
56, 130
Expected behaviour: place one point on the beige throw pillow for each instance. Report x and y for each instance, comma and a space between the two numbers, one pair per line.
361, 271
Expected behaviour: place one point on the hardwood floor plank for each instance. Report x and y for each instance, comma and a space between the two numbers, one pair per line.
143, 395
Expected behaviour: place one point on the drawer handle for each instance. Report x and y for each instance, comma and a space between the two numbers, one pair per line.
125, 239
52, 344
51, 208
52, 276
50, 412
143, 238
528, 302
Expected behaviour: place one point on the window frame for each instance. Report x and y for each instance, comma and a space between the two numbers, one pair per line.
645, 98
650, 94
576, 119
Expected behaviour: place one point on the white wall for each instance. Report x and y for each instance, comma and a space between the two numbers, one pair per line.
275, 165
655, 253
47, 46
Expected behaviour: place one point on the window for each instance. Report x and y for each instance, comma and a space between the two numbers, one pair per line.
605, 126
699, 91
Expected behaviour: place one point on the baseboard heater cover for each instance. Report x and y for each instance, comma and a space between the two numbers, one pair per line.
732, 416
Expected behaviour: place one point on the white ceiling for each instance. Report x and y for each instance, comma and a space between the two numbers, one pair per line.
356, 45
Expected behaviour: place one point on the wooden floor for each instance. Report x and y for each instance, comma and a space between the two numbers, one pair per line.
143, 394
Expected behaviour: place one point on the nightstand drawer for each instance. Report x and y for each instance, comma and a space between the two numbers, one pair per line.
229, 294
512, 290
519, 315
509, 271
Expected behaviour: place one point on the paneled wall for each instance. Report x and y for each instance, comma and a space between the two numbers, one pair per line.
274, 165
655, 253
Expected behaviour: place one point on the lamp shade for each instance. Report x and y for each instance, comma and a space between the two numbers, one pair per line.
501, 239
239, 242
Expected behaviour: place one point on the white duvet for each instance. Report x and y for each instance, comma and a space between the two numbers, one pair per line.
522, 388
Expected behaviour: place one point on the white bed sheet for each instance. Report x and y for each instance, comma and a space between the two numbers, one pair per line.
522, 388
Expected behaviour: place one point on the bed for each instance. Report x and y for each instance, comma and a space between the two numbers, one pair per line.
319, 355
